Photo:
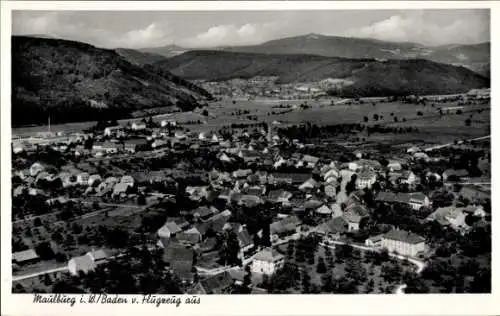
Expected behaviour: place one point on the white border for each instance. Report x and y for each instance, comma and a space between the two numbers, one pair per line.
465, 304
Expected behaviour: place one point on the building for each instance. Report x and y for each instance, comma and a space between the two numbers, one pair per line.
112, 130
449, 216
137, 126
366, 179
374, 241
86, 263
267, 261
25, 257
403, 242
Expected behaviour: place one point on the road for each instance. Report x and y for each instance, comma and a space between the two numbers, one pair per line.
34, 275
451, 144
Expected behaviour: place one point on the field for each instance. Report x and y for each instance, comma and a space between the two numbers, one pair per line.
431, 126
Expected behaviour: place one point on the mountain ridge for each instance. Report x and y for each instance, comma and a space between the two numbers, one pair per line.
74, 81
370, 77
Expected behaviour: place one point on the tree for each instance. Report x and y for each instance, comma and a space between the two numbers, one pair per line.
468, 122
230, 248
375, 117
141, 199
365, 119
321, 266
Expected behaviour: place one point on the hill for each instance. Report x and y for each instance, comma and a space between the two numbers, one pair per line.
165, 51
73, 81
366, 77
334, 46
139, 58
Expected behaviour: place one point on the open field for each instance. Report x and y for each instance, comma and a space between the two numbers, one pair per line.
224, 113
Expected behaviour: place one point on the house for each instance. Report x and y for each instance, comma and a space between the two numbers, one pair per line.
288, 225
336, 210
138, 126
135, 144
242, 173
112, 130
166, 232
288, 178
330, 190
358, 154
180, 261
120, 189
449, 216
394, 165
279, 196
324, 210
191, 236
331, 175
354, 215
97, 256
308, 185
221, 283
83, 178
86, 263
245, 240
475, 193
159, 143
309, 161
267, 261
415, 200
204, 212
454, 175
248, 200
403, 242
408, 177
374, 241
366, 179
36, 168
332, 228
25, 257
19, 190
106, 147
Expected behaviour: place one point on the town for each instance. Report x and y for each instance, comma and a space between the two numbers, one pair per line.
153, 206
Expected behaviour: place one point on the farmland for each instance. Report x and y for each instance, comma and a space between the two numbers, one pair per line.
226, 112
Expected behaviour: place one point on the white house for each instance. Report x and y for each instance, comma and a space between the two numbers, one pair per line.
366, 180
403, 242
112, 130
36, 168
137, 126
267, 261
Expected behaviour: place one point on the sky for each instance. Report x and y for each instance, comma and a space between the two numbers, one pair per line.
203, 29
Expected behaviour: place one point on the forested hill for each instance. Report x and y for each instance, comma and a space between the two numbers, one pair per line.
72, 81
362, 77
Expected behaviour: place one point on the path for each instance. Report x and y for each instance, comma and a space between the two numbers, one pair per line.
33, 275
451, 144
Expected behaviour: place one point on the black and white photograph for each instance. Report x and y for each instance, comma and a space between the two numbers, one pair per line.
192, 152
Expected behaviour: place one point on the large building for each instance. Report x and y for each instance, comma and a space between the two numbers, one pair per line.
267, 261
403, 242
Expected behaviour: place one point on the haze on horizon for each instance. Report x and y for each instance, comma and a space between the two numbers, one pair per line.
204, 29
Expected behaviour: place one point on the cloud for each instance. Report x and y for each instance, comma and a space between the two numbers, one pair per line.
231, 34
415, 26
59, 25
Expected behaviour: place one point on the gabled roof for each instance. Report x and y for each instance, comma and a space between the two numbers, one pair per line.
332, 226
287, 224
24, 255
180, 254
217, 284
244, 238
269, 255
404, 236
